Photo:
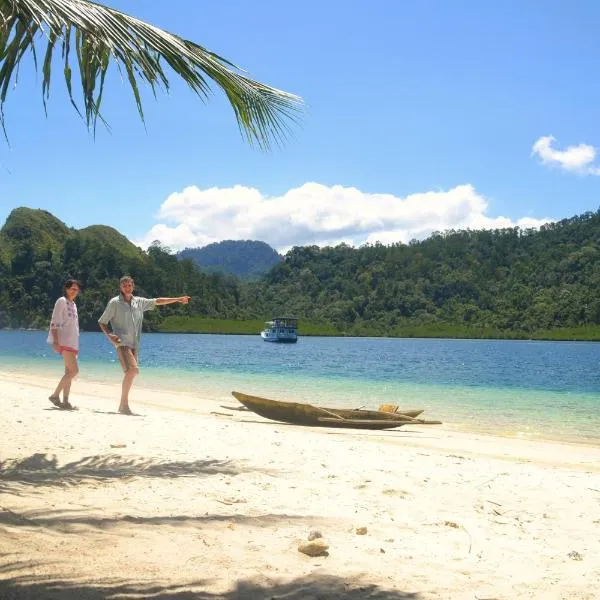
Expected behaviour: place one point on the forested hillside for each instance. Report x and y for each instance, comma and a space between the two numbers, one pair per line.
247, 259
503, 280
505, 283
38, 252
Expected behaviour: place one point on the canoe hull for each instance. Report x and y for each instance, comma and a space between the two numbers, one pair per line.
307, 414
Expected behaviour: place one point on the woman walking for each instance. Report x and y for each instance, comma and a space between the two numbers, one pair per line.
64, 337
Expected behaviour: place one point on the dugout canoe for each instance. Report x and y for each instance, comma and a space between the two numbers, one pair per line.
307, 414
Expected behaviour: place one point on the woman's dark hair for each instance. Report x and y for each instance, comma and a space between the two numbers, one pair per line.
69, 283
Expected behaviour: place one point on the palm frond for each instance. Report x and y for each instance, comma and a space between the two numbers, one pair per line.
101, 34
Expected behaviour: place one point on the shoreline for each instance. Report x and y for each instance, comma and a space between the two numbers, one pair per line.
525, 337
162, 381
448, 436
190, 499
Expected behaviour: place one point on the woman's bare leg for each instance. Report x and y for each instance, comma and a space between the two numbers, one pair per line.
60, 386
72, 369
64, 385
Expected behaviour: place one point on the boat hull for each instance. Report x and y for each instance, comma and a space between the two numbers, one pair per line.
308, 414
280, 340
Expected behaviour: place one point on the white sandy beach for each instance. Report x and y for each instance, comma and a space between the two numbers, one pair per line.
180, 502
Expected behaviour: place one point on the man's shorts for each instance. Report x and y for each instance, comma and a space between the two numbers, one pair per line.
128, 358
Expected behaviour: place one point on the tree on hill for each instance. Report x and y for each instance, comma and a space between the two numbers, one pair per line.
98, 35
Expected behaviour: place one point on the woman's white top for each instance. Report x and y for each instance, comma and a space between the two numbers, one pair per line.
66, 322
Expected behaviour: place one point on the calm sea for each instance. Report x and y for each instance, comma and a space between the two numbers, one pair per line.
529, 389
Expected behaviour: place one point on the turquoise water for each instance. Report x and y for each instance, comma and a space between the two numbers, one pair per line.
531, 389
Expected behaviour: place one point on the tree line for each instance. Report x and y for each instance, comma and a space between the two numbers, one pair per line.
504, 282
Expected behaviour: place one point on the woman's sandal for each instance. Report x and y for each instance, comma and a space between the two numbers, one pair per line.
66, 405
56, 401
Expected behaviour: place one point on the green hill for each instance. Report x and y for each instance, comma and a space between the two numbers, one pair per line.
246, 259
27, 228
502, 283
39, 253
38, 226
107, 236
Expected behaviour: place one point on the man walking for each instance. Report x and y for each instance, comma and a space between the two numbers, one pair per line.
125, 314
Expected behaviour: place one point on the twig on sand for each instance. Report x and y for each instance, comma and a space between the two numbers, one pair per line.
490, 480
231, 501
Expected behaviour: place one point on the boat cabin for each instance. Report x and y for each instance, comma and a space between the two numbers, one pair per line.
281, 329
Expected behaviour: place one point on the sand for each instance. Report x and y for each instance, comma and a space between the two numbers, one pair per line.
190, 500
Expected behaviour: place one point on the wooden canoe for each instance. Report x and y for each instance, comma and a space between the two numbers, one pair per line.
308, 414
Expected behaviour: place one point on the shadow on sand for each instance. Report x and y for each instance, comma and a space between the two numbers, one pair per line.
16, 585
67, 521
42, 470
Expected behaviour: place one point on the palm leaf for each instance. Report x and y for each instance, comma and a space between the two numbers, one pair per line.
141, 51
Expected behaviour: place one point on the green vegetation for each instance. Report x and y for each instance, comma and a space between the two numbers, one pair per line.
91, 36
41, 253
590, 333
183, 324
196, 324
246, 259
463, 284
501, 283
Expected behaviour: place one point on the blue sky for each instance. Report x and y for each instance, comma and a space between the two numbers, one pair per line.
420, 116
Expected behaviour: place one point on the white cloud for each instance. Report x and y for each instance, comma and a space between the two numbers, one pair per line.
575, 159
318, 214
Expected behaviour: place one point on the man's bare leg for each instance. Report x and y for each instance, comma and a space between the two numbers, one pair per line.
128, 360
130, 375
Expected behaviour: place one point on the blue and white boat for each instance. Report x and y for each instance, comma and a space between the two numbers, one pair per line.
281, 329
